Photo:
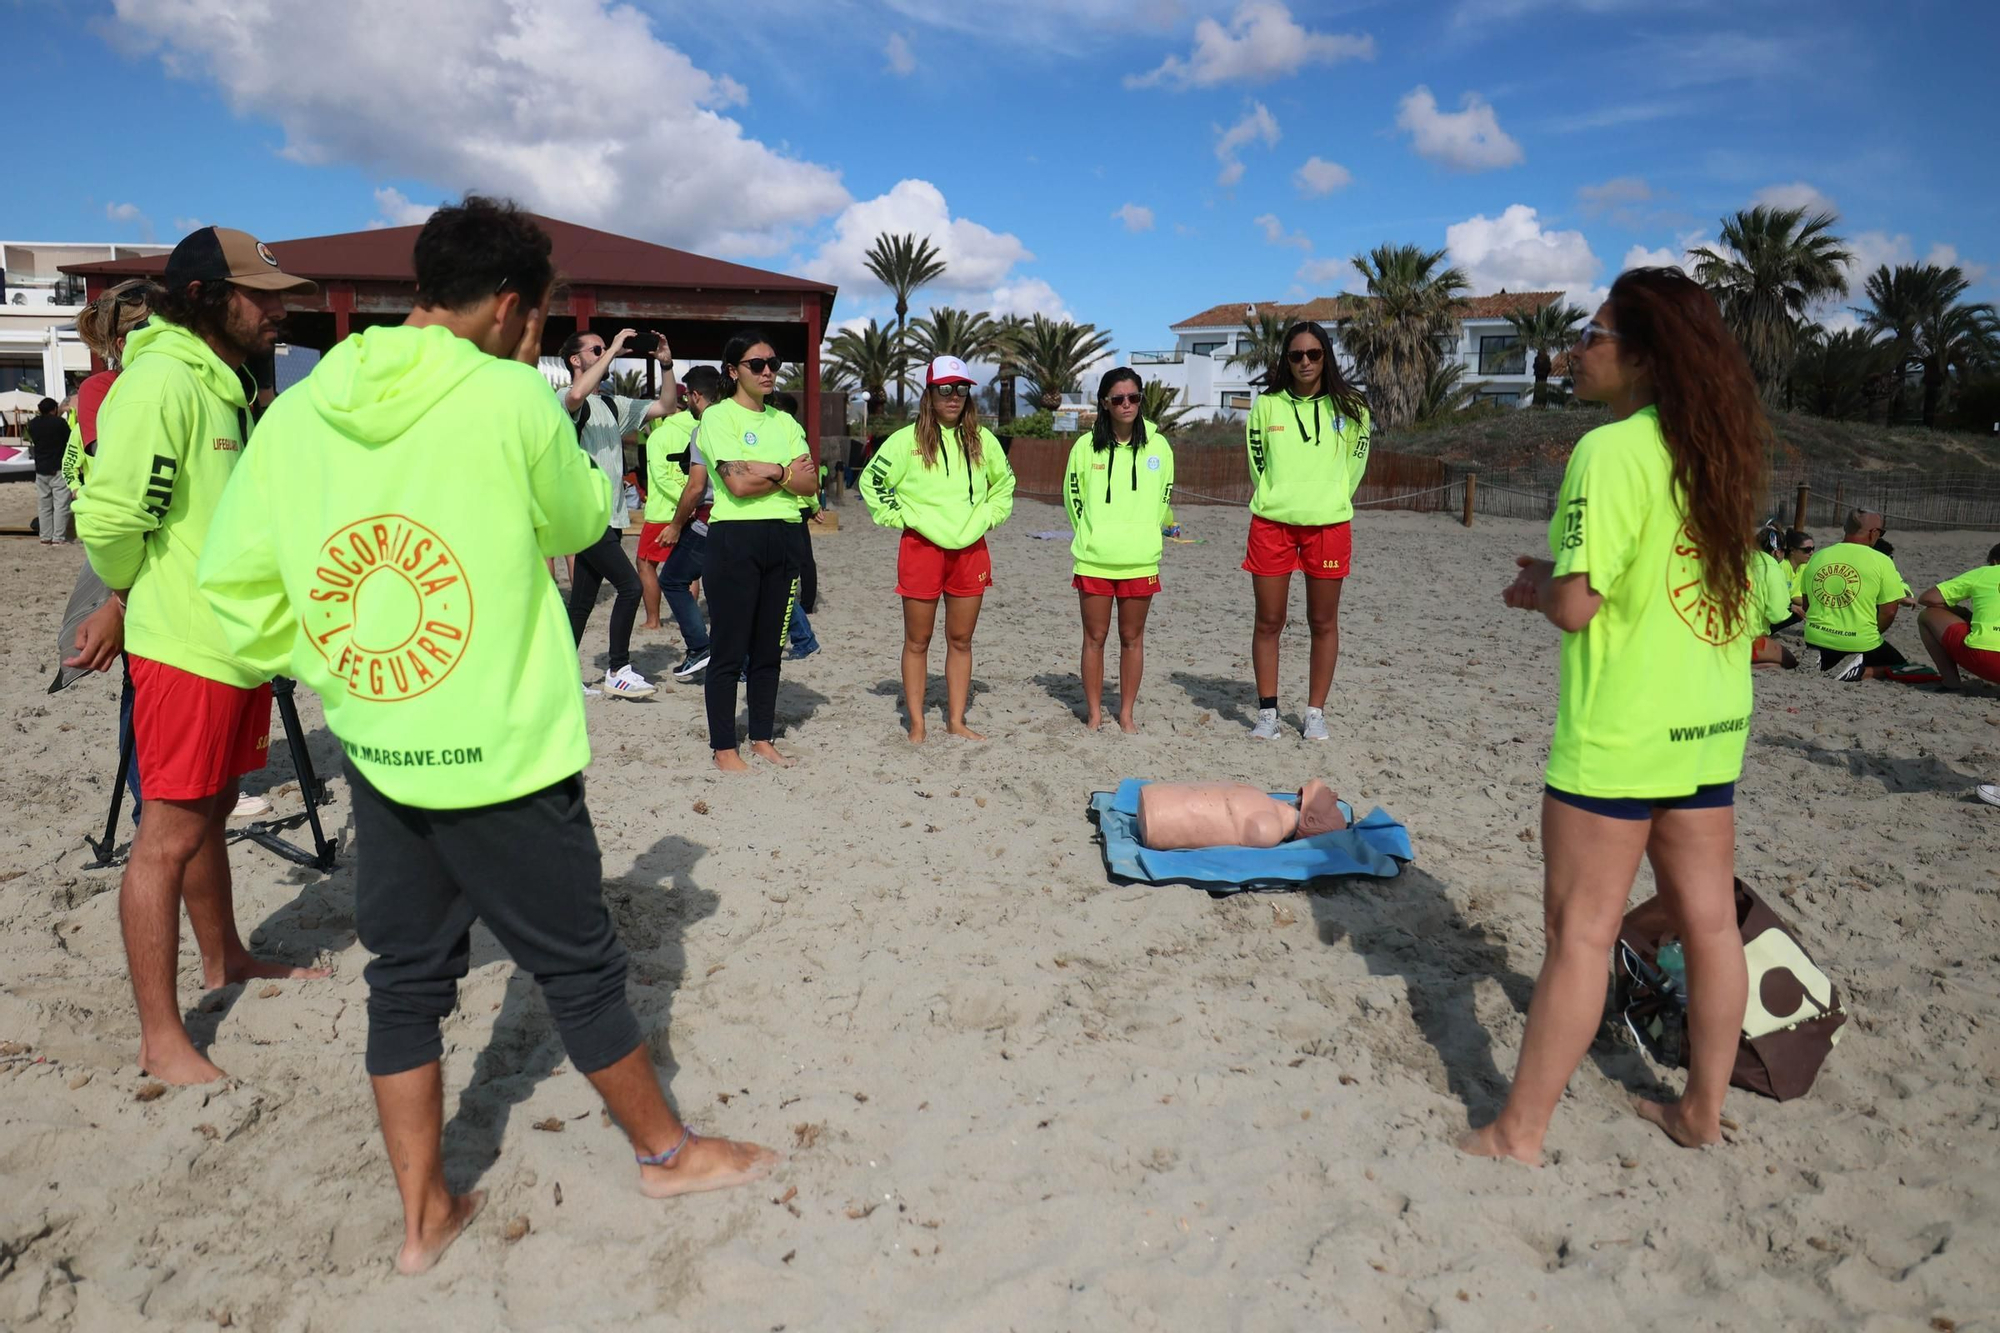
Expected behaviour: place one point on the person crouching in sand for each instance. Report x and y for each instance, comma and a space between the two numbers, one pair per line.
347, 529
1649, 585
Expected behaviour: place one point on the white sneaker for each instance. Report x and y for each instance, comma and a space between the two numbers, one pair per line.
249, 807
1267, 725
1847, 668
625, 683
1988, 792
1315, 727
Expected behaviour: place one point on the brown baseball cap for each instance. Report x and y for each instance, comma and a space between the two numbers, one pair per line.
223, 254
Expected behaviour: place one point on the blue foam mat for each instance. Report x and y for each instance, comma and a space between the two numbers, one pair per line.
1377, 845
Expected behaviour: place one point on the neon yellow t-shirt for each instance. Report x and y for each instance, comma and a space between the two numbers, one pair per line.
665, 480
1981, 587
731, 432
1795, 576
1655, 692
1773, 585
1844, 584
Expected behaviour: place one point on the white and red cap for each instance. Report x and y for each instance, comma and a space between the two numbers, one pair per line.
948, 370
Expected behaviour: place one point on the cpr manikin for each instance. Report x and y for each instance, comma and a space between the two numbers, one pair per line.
1178, 815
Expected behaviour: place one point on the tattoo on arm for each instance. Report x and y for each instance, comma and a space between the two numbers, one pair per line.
729, 467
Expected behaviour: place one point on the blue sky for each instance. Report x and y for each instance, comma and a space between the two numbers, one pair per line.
1128, 162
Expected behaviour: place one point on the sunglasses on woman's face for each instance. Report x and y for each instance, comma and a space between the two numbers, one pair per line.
1120, 399
1593, 333
952, 390
757, 365
1305, 356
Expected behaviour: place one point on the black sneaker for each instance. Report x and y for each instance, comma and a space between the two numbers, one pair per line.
692, 667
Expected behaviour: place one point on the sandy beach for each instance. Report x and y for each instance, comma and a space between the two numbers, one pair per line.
1015, 1095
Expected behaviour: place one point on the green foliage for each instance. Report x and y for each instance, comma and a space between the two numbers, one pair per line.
1033, 426
1257, 350
1978, 406
866, 359
903, 263
1159, 404
1771, 266
629, 383
1445, 391
1052, 356
1842, 375
970, 335
1394, 337
1548, 331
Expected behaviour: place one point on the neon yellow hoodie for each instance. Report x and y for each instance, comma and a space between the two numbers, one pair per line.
1307, 459
168, 436
384, 541
1119, 518
665, 479
946, 503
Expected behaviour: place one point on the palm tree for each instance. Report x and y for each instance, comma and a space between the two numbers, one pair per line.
1006, 351
1445, 390
1260, 348
969, 335
1393, 337
1053, 354
1898, 299
868, 359
1157, 404
902, 263
628, 383
1840, 375
1547, 331
1770, 267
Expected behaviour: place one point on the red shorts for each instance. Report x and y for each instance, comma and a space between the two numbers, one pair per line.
649, 543
925, 570
194, 736
1096, 587
1323, 551
1981, 662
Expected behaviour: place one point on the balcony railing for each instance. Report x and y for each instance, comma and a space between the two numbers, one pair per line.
1172, 358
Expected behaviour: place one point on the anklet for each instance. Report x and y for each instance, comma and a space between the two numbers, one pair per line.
666, 1158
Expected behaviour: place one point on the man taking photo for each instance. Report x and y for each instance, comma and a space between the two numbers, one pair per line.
169, 435
602, 423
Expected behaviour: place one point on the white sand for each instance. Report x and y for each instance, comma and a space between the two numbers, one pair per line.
1016, 1095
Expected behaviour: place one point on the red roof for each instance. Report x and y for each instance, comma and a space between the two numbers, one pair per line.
583, 255
1231, 314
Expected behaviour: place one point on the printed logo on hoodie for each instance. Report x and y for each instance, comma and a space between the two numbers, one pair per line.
391, 610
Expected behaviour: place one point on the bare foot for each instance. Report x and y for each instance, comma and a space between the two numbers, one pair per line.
1094, 721
769, 754
181, 1066
1489, 1142
653, 625
248, 967
730, 762
1126, 724
1669, 1117
960, 729
708, 1164
421, 1255
916, 733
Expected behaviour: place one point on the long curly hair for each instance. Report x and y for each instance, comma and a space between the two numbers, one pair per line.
1710, 412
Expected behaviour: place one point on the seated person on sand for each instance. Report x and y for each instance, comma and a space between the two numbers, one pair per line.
1174, 816
1771, 593
1964, 638
1798, 547
1852, 595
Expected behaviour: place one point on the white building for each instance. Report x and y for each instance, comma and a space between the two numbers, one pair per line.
1486, 345
39, 349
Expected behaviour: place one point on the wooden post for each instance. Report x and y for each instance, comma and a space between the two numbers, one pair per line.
1471, 485
1799, 509
1839, 503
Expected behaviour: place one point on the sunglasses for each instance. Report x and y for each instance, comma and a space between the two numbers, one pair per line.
1305, 356
1593, 333
757, 365
591, 351
1120, 399
952, 390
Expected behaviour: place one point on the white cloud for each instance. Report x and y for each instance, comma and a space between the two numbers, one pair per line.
1794, 194
398, 210
521, 119
1257, 124
1514, 251
1136, 217
1340, 273
902, 61
1274, 233
1467, 140
1262, 42
1026, 296
186, 225
1620, 192
1947, 256
1319, 176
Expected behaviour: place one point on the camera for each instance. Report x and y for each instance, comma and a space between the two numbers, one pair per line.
643, 343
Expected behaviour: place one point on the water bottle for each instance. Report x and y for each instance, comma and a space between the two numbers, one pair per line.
1671, 961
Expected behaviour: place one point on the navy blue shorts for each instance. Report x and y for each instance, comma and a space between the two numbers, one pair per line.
1715, 796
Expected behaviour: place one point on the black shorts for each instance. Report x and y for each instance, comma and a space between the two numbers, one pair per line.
1883, 654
